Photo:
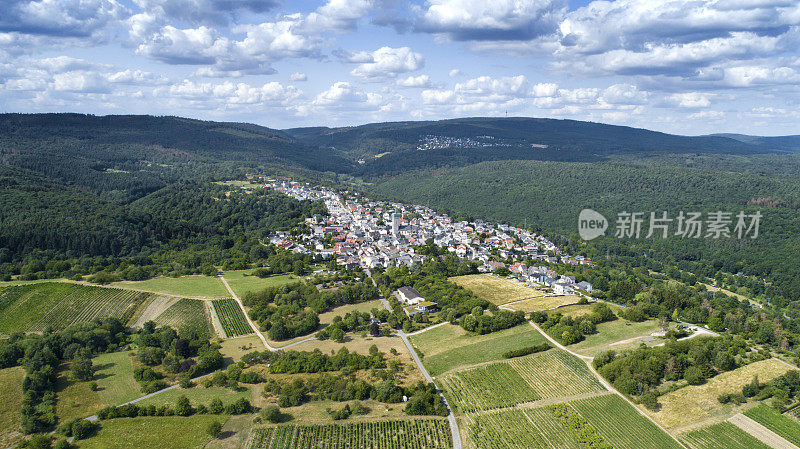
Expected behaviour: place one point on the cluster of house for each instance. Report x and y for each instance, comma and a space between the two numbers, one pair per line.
359, 232
539, 276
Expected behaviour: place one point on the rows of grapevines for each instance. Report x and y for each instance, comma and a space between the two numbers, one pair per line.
774, 421
622, 425
722, 435
486, 387
520, 429
554, 374
400, 434
231, 317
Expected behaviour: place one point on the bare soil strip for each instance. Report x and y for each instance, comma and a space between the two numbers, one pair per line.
215, 319
761, 433
155, 308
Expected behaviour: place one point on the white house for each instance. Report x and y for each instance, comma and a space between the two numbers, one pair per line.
562, 288
409, 296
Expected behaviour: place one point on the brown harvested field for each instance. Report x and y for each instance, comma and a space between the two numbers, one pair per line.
544, 303
356, 343
152, 308
495, 289
694, 406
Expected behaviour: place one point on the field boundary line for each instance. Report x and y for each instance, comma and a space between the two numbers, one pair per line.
428, 328
760, 432
588, 360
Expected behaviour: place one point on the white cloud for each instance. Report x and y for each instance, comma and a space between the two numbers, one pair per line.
434, 96
297, 76
468, 20
690, 100
454, 73
343, 94
673, 37
60, 18
415, 81
270, 94
386, 62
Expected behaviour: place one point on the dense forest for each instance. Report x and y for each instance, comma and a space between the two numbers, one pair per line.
550, 195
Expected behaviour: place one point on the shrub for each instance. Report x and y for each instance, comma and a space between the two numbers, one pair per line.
694, 375
214, 428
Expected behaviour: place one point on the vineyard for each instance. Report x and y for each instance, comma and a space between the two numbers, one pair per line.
722, 435
774, 421
621, 425
35, 307
187, 316
520, 429
401, 434
547, 375
487, 387
231, 317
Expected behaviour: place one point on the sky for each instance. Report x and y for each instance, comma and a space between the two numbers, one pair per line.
681, 66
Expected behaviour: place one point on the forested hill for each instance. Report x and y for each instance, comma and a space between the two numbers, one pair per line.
46, 143
470, 140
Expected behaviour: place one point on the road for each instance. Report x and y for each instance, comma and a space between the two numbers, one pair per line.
249, 321
451, 418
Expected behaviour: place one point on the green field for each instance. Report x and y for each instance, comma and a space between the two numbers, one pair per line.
722, 436
114, 377
231, 318
11, 397
187, 316
774, 421
241, 282
186, 286
552, 374
35, 307
400, 434
74, 399
621, 424
447, 347
197, 395
619, 334
167, 432
520, 429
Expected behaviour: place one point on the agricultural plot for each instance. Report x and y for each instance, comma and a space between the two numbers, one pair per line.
231, 318
241, 282
197, 395
619, 335
774, 421
520, 429
114, 377
203, 287
621, 425
487, 387
35, 307
547, 375
694, 403
448, 347
188, 316
166, 432
495, 289
722, 435
400, 434
11, 398
544, 303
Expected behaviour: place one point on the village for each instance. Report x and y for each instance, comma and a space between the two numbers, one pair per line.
364, 233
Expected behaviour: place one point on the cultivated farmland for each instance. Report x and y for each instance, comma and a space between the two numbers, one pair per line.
187, 316
621, 425
231, 317
447, 347
401, 434
35, 307
495, 289
774, 421
11, 397
548, 375
722, 435
520, 429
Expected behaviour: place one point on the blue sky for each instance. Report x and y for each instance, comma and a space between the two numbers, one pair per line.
681, 66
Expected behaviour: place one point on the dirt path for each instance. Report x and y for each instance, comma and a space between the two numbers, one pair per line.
760, 432
249, 321
215, 320
588, 361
